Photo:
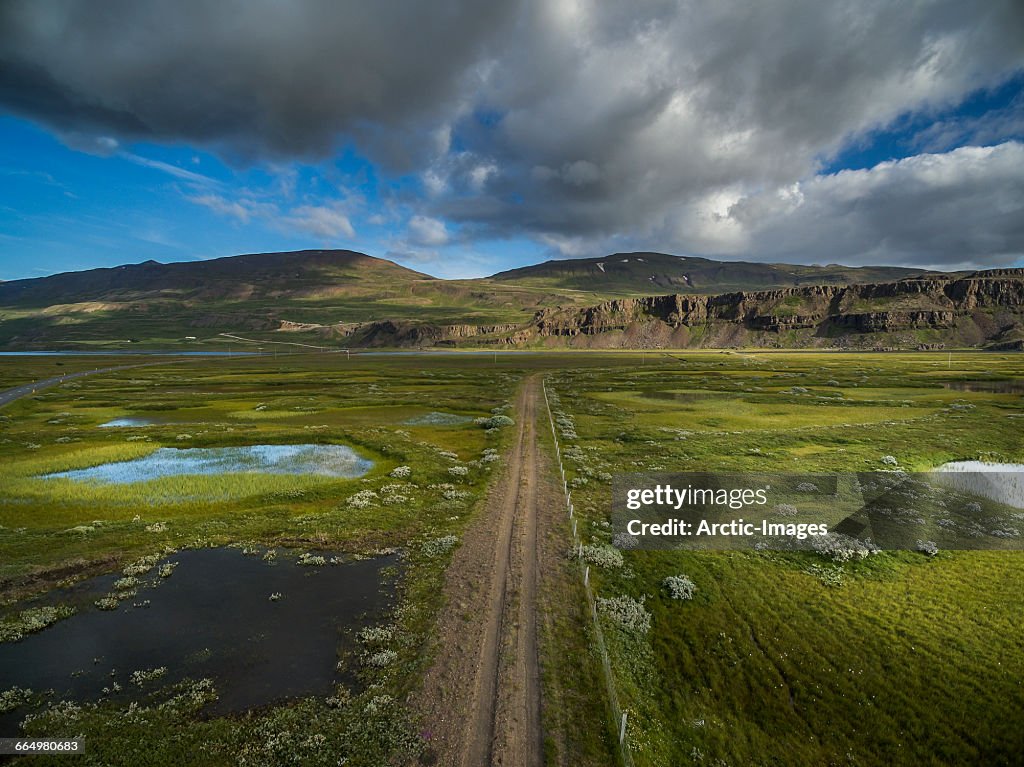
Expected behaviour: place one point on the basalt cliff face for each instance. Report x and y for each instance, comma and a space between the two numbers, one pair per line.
398, 333
982, 309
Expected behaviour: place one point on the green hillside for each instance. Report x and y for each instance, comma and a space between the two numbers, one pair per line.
317, 296
307, 294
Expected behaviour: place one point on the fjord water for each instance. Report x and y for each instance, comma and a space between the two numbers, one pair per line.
213, 618
322, 460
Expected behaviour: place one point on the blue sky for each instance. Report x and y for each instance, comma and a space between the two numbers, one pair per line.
64, 208
940, 130
522, 131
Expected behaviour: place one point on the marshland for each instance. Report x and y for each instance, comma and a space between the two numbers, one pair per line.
221, 552
331, 581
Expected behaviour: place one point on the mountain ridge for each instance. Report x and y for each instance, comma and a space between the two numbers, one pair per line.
154, 275
646, 272
348, 297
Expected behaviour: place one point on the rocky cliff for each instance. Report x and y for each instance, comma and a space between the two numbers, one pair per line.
956, 310
927, 312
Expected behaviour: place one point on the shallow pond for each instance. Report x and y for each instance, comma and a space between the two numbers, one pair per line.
438, 419
1001, 482
323, 460
127, 423
212, 618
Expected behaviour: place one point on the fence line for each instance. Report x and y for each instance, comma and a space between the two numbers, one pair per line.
618, 715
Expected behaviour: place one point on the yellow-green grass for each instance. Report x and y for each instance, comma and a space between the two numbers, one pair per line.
958, 609
52, 528
918, 665
756, 413
196, 404
908, 660
22, 369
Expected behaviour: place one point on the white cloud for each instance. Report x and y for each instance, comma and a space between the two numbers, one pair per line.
426, 231
171, 170
960, 207
244, 209
479, 175
434, 182
319, 220
322, 221
222, 206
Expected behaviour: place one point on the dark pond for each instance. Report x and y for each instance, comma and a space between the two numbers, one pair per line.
685, 396
212, 618
1015, 386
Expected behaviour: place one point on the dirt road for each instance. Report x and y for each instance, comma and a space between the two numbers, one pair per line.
15, 393
481, 698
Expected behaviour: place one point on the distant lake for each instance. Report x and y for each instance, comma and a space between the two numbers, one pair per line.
127, 353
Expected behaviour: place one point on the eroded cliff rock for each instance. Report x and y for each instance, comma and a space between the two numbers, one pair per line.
985, 307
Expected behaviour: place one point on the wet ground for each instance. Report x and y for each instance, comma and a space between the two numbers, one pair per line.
438, 419
214, 618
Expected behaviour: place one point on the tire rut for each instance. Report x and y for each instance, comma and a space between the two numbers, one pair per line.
481, 697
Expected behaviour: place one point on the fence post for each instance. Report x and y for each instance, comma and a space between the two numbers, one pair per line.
626, 757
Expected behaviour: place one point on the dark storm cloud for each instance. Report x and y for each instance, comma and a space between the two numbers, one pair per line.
680, 125
254, 76
29, 89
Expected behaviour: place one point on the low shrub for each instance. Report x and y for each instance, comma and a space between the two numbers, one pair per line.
679, 586
626, 613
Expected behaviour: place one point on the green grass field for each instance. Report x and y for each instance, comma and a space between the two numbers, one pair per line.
778, 658
53, 531
789, 659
